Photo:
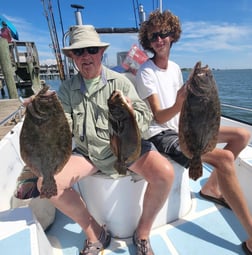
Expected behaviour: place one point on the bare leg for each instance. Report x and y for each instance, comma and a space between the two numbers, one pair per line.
223, 160
236, 140
158, 172
69, 201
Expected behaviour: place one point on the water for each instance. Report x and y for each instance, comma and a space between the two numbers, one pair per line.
235, 89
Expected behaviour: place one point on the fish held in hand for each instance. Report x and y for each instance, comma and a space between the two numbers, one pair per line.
45, 139
199, 118
125, 138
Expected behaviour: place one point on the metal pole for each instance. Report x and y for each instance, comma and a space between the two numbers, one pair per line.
142, 16
78, 17
61, 22
66, 62
161, 5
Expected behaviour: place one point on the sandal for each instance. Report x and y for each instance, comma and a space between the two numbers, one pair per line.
94, 248
143, 246
246, 249
220, 201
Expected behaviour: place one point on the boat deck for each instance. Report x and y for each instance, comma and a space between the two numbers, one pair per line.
8, 107
207, 229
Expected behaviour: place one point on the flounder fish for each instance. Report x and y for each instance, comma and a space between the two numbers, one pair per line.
199, 118
45, 139
125, 138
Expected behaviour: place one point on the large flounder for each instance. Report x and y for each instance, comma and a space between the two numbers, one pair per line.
199, 118
125, 138
45, 139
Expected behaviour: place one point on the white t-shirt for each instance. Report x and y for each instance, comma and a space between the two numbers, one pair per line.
150, 80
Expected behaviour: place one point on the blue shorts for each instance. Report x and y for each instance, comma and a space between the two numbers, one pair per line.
146, 146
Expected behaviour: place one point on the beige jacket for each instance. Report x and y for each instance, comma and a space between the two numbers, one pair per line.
88, 115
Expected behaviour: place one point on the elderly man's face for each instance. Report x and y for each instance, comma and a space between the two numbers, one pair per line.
88, 61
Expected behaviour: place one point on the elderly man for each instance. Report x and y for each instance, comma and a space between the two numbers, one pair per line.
84, 99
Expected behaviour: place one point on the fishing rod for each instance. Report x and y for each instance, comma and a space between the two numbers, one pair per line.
54, 37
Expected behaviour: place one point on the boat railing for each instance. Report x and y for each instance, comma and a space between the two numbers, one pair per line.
235, 116
17, 115
237, 107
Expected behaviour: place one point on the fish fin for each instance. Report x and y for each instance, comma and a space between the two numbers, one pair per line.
121, 167
48, 188
115, 147
136, 153
195, 168
31, 108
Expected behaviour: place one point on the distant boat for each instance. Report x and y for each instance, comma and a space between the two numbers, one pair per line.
12, 28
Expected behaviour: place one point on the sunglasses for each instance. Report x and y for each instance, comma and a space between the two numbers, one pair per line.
162, 35
90, 50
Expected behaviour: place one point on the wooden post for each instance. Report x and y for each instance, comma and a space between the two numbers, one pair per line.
33, 70
34, 74
5, 63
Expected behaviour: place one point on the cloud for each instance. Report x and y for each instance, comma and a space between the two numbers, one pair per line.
205, 36
29, 32
219, 44
118, 43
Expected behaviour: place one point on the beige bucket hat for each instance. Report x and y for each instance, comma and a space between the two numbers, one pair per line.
83, 36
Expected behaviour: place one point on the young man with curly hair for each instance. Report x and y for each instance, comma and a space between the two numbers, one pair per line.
159, 83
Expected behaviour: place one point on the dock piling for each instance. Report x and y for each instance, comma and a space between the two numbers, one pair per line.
5, 63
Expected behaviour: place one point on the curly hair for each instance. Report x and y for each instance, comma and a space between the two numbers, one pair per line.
166, 21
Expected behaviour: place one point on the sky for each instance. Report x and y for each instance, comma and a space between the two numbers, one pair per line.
217, 33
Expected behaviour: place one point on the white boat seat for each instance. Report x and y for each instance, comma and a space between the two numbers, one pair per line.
243, 166
12, 165
117, 203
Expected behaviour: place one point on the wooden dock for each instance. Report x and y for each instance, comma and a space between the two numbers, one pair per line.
7, 108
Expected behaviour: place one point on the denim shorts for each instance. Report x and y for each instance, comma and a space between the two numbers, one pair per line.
146, 146
167, 142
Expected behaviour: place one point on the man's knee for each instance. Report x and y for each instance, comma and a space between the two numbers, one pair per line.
223, 159
39, 183
244, 136
219, 157
154, 168
227, 155
164, 175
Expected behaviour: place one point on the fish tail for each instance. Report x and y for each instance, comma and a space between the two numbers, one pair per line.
48, 188
195, 168
120, 167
